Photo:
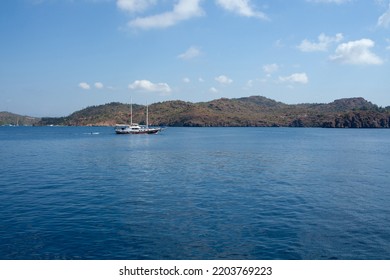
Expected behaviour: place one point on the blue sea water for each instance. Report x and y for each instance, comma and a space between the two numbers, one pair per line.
194, 193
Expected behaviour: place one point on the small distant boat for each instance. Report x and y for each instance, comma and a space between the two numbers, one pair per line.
134, 128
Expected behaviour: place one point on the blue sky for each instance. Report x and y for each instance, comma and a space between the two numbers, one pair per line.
58, 56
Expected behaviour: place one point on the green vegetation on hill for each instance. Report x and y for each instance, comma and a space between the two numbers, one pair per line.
7, 118
246, 111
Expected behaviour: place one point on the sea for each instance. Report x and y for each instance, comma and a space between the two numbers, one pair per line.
85, 193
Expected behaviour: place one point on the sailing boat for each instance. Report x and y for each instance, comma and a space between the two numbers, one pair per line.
135, 128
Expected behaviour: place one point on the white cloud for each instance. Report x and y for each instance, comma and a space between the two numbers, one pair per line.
222, 79
242, 8
388, 41
98, 85
249, 84
213, 90
300, 78
192, 52
201, 80
322, 45
356, 52
270, 68
183, 10
382, 3
384, 20
84, 85
186, 80
278, 44
135, 5
149, 86
329, 1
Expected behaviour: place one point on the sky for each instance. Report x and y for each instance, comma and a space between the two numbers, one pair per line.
59, 56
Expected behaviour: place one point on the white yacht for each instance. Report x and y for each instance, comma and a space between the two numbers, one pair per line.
134, 128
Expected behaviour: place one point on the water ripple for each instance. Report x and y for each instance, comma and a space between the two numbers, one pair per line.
228, 193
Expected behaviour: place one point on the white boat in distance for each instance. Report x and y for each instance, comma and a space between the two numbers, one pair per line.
134, 128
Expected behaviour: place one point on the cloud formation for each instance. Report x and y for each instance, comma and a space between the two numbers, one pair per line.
384, 20
270, 68
322, 45
300, 78
146, 85
213, 90
183, 10
134, 6
222, 79
357, 52
84, 85
329, 1
192, 52
242, 8
98, 85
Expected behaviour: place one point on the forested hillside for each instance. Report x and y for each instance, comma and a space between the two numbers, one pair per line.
246, 111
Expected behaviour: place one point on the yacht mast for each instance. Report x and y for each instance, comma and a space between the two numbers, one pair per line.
131, 111
147, 115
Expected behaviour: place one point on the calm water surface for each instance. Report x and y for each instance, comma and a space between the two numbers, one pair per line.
194, 193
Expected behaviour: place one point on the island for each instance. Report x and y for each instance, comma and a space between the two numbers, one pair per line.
253, 111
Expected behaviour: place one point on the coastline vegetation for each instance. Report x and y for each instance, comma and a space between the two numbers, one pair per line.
253, 111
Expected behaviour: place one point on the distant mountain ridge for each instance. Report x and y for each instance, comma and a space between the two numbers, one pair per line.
7, 118
246, 111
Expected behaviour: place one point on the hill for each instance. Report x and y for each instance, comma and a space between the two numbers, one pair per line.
7, 118
246, 111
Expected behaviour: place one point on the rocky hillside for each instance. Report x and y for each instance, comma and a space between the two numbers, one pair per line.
7, 118
246, 111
